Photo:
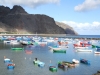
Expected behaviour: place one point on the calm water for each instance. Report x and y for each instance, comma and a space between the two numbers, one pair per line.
24, 62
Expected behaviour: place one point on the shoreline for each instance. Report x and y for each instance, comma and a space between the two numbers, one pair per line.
58, 35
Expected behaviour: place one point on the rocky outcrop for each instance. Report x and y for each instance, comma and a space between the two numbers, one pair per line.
19, 21
17, 10
67, 28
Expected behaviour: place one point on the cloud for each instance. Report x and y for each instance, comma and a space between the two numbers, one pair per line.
87, 5
85, 28
29, 3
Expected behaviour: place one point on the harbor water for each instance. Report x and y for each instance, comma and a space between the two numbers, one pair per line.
25, 66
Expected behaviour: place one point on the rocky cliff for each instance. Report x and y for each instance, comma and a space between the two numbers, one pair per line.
17, 20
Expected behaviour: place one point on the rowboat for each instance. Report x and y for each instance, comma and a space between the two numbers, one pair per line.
52, 68
17, 48
97, 52
28, 51
84, 61
75, 61
59, 51
83, 50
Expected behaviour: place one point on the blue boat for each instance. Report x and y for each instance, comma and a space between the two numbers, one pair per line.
41, 64
10, 66
84, 61
98, 49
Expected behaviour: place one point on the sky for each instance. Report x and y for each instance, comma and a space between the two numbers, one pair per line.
82, 15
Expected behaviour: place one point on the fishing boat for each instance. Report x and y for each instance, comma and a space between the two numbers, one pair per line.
59, 51
75, 61
28, 51
39, 63
83, 50
53, 68
81, 47
6, 41
6, 60
17, 48
11, 66
97, 52
84, 61
95, 46
65, 64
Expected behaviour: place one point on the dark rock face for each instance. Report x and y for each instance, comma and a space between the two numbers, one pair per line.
4, 11
19, 21
17, 10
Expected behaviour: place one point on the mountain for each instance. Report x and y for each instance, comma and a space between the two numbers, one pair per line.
67, 28
17, 20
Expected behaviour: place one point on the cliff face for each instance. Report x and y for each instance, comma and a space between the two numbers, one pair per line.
67, 28
17, 20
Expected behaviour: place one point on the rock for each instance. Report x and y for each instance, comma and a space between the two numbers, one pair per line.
17, 20
17, 10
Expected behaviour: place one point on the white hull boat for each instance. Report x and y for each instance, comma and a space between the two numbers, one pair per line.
84, 50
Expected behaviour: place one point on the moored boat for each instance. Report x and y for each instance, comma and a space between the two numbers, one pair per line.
75, 61
83, 50
6, 60
53, 68
28, 51
65, 64
11, 66
17, 48
84, 61
81, 47
97, 52
39, 63
59, 51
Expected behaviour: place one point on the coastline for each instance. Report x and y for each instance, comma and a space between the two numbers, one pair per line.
57, 35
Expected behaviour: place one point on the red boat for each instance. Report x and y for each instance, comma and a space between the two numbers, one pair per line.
28, 51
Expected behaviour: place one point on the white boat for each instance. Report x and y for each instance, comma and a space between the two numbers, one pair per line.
97, 52
80, 47
58, 48
6, 41
84, 50
63, 47
14, 42
75, 61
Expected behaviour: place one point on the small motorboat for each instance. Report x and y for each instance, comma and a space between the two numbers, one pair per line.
84, 61
10, 66
53, 68
28, 51
41, 64
75, 61
6, 60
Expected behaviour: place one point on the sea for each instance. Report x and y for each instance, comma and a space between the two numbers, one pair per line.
25, 66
